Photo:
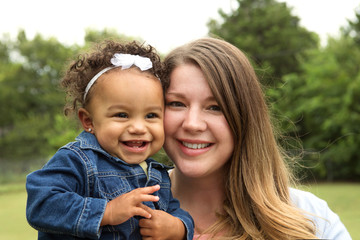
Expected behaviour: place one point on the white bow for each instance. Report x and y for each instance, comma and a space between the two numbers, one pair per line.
127, 60
124, 61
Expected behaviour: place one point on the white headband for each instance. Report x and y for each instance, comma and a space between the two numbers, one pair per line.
124, 61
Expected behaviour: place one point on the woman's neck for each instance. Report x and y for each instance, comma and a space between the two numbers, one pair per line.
201, 197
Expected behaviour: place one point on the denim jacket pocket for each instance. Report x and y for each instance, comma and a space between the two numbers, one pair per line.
112, 185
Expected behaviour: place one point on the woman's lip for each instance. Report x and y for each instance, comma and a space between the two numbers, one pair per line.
194, 141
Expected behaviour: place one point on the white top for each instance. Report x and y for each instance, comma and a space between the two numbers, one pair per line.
328, 224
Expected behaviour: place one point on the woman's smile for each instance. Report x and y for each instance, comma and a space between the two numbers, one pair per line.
195, 145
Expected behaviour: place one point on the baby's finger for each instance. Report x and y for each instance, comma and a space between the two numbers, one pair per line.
145, 194
146, 238
148, 198
150, 189
142, 211
146, 208
146, 223
140, 195
145, 233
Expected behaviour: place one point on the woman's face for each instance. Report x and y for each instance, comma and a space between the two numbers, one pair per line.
197, 136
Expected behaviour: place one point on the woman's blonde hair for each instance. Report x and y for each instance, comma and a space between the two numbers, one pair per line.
257, 204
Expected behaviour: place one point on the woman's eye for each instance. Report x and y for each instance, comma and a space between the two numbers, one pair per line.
151, 115
121, 115
175, 104
215, 108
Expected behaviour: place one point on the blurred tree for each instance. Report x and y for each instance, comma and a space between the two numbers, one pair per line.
323, 102
353, 29
93, 36
29, 95
32, 125
268, 32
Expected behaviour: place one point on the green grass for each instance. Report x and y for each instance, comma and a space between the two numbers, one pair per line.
13, 224
343, 198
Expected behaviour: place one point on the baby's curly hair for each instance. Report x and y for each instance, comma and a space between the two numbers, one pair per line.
87, 65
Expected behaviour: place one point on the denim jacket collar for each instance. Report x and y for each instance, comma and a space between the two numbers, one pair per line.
88, 141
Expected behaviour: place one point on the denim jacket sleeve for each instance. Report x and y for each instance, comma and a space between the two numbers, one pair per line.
59, 200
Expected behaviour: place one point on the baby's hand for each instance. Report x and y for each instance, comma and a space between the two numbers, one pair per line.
161, 226
128, 205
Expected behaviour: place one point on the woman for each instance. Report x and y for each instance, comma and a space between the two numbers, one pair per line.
230, 174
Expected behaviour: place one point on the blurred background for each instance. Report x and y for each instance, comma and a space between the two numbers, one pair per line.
306, 54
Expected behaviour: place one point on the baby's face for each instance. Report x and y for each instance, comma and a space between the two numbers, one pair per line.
127, 109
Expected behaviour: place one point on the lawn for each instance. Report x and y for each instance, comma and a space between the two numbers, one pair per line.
344, 199
13, 224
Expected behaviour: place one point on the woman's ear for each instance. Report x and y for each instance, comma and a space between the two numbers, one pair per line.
85, 119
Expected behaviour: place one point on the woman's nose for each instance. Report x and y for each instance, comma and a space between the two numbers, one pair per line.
194, 120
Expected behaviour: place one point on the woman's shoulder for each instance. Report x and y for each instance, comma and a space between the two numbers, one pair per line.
327, 222
308, 201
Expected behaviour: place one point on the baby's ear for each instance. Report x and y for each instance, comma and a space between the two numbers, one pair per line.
85, 119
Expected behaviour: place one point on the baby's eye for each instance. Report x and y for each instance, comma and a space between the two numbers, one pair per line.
152, 115
121, 115
175, 104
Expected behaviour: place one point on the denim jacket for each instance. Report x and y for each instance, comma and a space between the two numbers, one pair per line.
68, 196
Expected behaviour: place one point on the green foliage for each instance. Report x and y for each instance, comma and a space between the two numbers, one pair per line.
30, 95
162, 157
353, 29
32, 126
268, 32
323, 101
93, 36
